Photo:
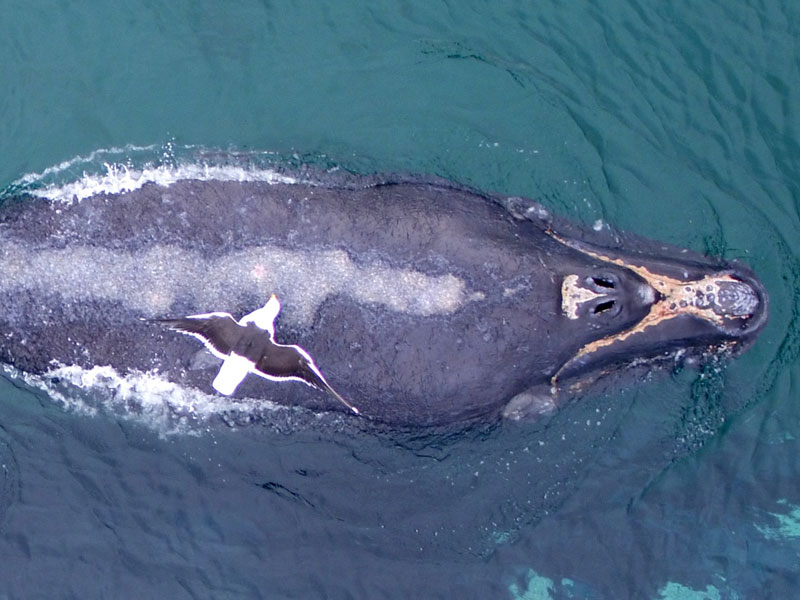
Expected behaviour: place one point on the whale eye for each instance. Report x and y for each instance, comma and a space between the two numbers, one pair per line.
603, 282
603, 307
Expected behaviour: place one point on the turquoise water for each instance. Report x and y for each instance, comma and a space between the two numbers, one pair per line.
674, 120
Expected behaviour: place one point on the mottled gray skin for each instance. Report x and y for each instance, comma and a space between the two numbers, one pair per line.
502, 331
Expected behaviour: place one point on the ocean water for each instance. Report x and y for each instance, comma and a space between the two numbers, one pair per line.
677, 121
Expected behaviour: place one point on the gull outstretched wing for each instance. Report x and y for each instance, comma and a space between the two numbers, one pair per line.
218, 331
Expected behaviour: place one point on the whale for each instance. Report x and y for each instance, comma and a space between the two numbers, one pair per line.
418, 301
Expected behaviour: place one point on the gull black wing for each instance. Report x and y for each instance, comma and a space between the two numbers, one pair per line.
218, 331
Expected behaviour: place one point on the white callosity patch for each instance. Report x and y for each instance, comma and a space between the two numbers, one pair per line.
574, 295
149, 281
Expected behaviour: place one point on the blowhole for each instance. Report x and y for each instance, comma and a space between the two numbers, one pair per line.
603, 282
603, 307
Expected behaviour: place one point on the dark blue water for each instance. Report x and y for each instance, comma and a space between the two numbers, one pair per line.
675, 120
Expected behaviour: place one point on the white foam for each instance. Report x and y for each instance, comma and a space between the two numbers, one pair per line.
145, 397
123, 169
68, 165
120, 178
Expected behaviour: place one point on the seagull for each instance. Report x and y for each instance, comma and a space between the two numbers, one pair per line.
249, 346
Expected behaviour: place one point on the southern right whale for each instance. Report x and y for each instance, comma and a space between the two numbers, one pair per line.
422, 302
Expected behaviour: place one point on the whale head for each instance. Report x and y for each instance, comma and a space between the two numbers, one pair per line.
641, 306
